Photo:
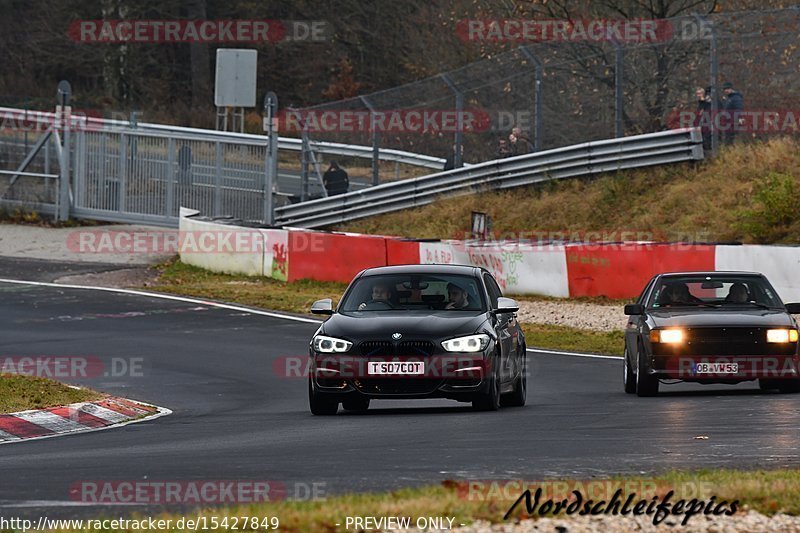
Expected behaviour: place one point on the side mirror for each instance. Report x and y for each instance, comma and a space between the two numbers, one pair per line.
322, 307
793, 308
634, 309
506, 305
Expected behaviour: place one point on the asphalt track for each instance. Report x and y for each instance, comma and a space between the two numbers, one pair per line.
236, 418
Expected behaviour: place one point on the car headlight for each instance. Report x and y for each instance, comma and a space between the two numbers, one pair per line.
325, 344
667, 336
781, 335
470, 343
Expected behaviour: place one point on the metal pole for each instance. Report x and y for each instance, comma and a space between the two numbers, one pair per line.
618, 81
714, 85
459, 137
304, 161
376, 145
537, 95
64, 93
271, 112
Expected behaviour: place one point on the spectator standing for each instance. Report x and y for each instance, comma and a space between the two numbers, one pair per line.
702, 117
335, 180
519, 143
732, 107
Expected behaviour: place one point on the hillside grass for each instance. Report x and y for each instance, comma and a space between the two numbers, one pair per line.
748, 194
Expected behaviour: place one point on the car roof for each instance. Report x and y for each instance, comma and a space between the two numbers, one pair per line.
712, 273
464, 270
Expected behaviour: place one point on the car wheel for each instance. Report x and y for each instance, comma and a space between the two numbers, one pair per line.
628, 377
356, 404
489, 400
789, 386
321, 403
517, 397
646, 385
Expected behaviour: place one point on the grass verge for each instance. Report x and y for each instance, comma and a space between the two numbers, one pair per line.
295, 297
573, 339
767, 492
20, 393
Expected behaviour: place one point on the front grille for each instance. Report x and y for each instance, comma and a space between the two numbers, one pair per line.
725, 341
423, 348
404, 348
377, 348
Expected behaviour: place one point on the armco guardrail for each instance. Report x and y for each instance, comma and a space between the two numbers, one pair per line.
284, 143
671, 146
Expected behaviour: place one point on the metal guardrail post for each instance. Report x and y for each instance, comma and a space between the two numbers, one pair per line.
459, 137
537, 95
376, 147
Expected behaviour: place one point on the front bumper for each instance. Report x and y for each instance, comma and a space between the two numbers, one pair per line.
725, 368
453, 375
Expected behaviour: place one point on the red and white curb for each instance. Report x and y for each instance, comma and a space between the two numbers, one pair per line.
80, 417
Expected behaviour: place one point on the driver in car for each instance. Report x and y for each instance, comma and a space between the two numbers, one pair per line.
457, 296
381, 292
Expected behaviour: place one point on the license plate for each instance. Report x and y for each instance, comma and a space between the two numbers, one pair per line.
716, 368
377, 368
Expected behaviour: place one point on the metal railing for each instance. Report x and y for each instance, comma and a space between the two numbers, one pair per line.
671, 146
284, 143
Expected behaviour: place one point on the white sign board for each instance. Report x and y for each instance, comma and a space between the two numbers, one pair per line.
235, 82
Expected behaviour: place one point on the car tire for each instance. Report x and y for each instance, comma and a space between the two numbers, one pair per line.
355, 404
646, 385
489, 400
628, 377
517, 397
789, 386
321, 404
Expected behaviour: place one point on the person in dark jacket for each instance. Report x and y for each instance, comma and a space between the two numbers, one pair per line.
732, 107
335, 180
518, 143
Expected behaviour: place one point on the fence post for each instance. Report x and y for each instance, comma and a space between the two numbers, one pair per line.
271, 159
64, 110
459, 137
537, 98
619, 62
218, 179
170, 177
376, 150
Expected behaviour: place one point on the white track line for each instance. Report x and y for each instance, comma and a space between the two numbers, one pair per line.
576, 354
165, 297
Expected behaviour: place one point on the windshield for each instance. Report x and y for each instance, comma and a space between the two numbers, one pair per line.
414, 292
714, 291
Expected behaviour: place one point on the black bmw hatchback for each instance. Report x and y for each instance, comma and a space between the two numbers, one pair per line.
418, 331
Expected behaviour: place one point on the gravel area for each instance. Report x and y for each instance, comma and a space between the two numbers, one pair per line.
119, 279
578, 315
751, 522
